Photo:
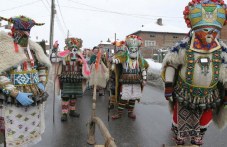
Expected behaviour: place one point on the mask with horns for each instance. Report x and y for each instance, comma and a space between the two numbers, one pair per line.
21, 28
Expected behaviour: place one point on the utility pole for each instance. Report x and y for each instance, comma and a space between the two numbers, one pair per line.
68, 34
115, 46
53, 12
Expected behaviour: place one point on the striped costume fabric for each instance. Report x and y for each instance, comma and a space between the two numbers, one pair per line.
72, 89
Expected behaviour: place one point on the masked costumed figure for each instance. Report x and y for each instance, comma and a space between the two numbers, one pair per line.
23, 76
73, 73
195, 73
101, 75
120, 48
130, 76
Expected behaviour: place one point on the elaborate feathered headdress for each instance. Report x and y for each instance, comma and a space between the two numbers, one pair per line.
133, 41
73, 43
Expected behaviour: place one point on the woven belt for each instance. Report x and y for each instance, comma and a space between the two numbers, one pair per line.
131, 78
193, 89
25, 77
196, 96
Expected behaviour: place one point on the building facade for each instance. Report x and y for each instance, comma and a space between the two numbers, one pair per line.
157, 37
107, 47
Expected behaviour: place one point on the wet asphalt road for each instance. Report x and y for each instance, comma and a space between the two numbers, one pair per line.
150, 129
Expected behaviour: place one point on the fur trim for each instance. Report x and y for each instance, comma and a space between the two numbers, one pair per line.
223, 73
174, 58
223, 68
220, 117
176, 54
8, 56
41, 57
222, 44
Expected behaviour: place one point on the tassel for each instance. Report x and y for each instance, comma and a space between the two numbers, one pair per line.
86, 71
63, 53
25, 65
127, 59
32, 63
16, 47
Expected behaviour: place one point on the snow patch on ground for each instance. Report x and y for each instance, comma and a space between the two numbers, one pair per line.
154, 67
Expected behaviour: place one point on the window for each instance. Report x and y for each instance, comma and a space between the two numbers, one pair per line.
152, 35
149, 43
175, 36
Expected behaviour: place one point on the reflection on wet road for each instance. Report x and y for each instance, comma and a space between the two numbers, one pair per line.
150, 129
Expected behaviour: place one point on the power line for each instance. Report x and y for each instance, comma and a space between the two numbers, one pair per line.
26, 4
122, 13
45, 6
125, 14
60, 27
48, 2
62, 15
87, 5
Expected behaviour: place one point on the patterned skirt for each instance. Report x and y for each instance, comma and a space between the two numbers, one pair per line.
188, 122
70, 89
23, 125
131, 91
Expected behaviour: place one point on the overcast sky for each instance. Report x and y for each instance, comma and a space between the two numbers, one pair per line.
94, 20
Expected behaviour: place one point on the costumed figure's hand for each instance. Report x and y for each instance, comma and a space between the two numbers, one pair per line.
169, 91
41, 86
24, 99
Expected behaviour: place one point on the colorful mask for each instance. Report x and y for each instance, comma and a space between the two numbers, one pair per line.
133, 43
205, 38
73, 44
206, 35
21, 37
21, 28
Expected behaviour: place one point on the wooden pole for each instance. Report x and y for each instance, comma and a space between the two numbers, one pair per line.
109, 140
94, 97
51, 47
115, 46
96, 120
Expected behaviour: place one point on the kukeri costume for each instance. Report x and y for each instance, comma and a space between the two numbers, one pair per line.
23, 76
195, 72
73, 73
130, 76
